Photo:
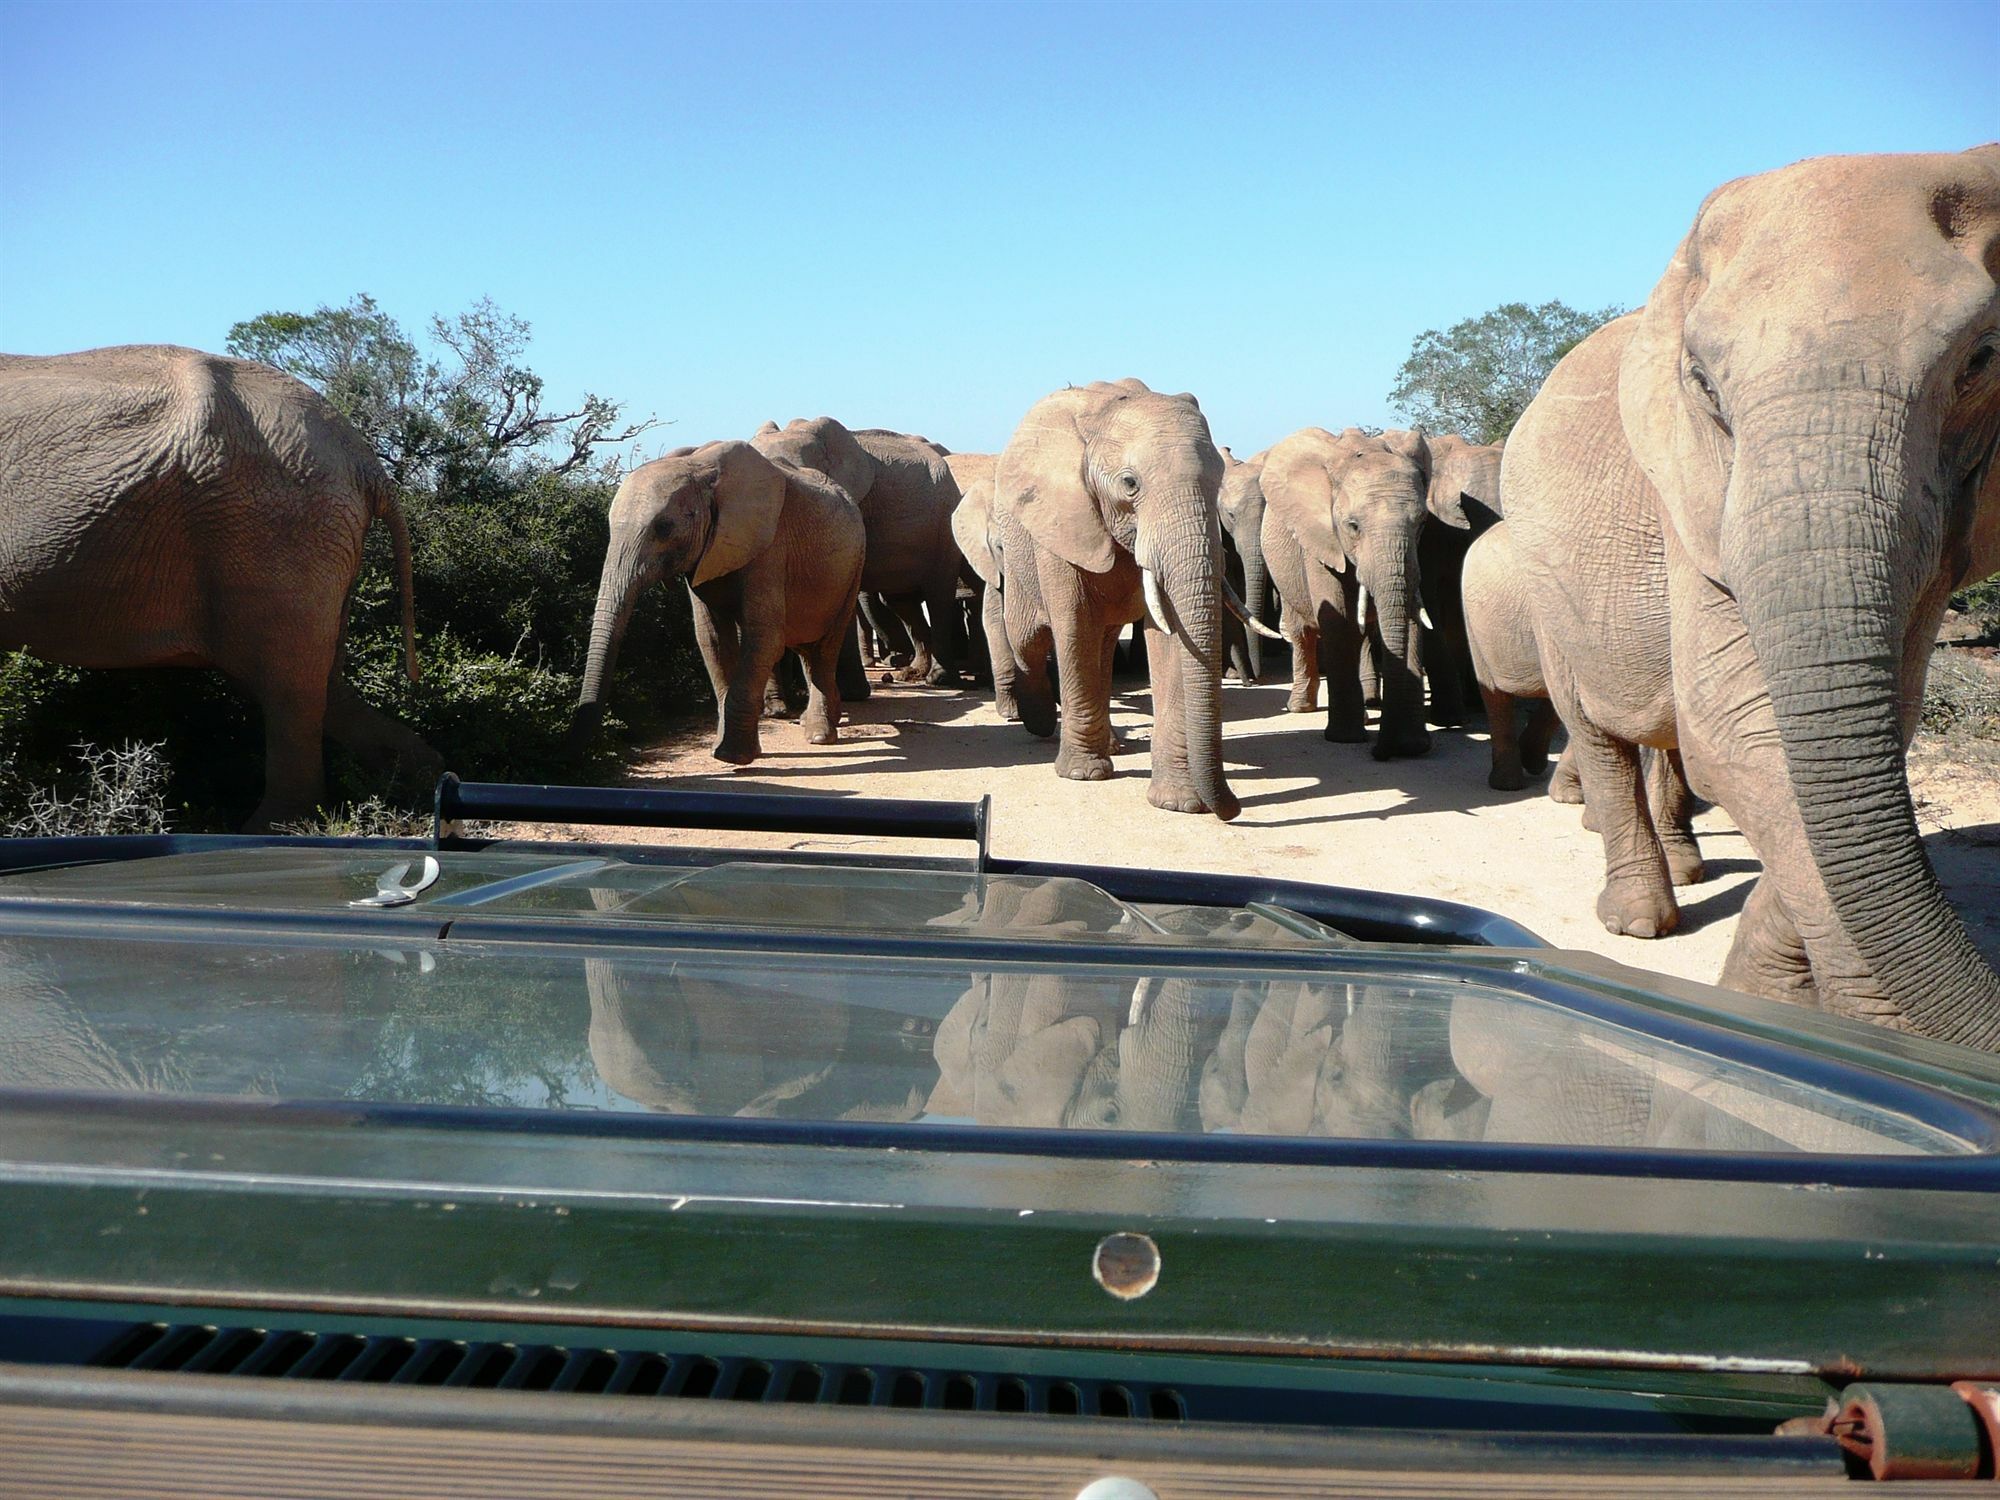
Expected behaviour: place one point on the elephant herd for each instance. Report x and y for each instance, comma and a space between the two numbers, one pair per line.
1716, 548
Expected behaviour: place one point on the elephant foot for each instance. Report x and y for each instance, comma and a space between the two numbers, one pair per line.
1634, 908
1007, 706
1506, 778
1446, 718
1684, 863
1039, 719
736, 752
1179, 797
1590, 819
1082, 765
1565, 786
1302, 703
1345, 734
1405, 746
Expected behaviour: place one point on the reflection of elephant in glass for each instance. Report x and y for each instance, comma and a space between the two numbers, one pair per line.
683, 1041
1799, 433
1346, 509
170, 508
772, 557
905, 493
1116, 486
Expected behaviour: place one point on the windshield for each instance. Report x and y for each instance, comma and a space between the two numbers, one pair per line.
1332, 1049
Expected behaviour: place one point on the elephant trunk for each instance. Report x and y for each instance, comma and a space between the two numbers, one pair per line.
1828, 614
617, 590
1394, 584
1256, 591
1190, 568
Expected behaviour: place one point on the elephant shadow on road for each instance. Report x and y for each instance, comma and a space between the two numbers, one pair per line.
1967, 861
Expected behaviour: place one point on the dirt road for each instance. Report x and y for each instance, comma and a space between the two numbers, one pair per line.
1311, 811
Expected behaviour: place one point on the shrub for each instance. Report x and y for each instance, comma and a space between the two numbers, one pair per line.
371, 818
1961, 697
1981, 605
103, 792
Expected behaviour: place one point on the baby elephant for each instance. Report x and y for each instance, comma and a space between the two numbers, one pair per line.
1506, 660
772, 557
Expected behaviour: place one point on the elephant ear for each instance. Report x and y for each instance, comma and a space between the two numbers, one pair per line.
1043, 481
749, 498
1685, 463
1298, 485
969, 521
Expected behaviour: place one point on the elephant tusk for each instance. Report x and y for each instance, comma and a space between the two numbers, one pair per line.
1156, 607
1242, 612
1140, 993
1424, 617
1361, 601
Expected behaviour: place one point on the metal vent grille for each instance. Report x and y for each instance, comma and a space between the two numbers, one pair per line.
282, 1354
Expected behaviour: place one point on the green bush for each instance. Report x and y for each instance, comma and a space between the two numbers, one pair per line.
1981, 605
1961, 697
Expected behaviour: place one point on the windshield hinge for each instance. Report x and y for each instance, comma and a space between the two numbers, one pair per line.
1897, 1431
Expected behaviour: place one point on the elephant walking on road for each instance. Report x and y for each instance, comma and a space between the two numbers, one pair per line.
165, 507
906, 494
1115, 486
1342, 514
772, 557
1787, 459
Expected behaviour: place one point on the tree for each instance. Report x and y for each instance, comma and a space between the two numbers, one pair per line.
452, 421
1479, 375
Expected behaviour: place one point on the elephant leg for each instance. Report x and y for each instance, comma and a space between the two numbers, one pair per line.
922, 664
1340, 644
1441, 655
1767, 956
1565, 785
757, 654
821, 720
887, 632
993, 619
716, 638
853, 668
947, 650
1507, 774
1085, 754
391, 745
786, 694
1369, 671
1672, 801
1543, 721
1304, 641
292, 692
1171, 786
1032, 643
1638, 895
1111, 676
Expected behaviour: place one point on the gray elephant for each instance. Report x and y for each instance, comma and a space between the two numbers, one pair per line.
1241, 503
772, 557
906, 494
1506, 660
167, 507
1343, 512
972, 529
1788, 458
1114, 485
1464, 502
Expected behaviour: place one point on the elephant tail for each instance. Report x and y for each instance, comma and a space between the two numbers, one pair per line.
391, 513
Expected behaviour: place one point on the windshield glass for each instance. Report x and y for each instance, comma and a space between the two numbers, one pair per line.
1325, 1050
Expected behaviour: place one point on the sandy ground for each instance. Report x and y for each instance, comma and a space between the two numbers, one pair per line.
1311, 811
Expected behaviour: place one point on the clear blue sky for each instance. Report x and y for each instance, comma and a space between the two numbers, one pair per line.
922, 216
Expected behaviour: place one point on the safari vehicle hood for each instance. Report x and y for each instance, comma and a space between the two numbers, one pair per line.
1050, 1139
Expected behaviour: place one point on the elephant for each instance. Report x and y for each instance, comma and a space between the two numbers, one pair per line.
1506, 660
1241, 502
1765, 485
1115, 487
906, 494
972, 530
1464, 502
772, 556
1342, 514
167, 507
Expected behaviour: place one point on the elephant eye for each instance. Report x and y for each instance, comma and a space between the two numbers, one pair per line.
1353, 526
1705, 389
1128, 483
1979, 364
